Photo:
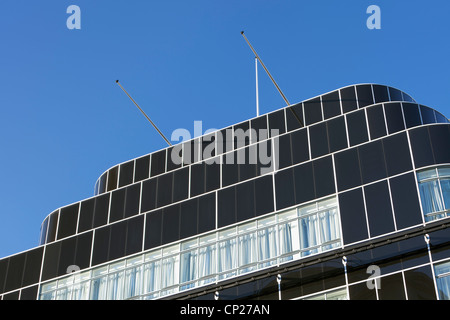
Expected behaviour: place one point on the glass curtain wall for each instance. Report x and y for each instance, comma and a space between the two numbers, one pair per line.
434, 189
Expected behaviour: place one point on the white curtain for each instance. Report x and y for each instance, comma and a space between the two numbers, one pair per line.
133, 278
98, 288
207, 262
309, 234
267, 244
227, 255
169, 275
431, 197
81, 291
152, 273
329, 226
247, 250
445, 184
188, 267
115, 286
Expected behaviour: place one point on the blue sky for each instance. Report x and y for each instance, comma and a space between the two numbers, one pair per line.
64, 121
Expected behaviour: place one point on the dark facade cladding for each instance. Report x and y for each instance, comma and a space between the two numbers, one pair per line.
352, 203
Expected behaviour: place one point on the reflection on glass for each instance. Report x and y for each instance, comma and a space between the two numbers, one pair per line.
434, 189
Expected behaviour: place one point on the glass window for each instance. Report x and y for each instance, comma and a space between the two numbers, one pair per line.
442, 272
152, 272
247, 247
434, 189
189, 258
207, 259
227, 253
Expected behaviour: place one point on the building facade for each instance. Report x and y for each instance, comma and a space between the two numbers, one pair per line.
343, 196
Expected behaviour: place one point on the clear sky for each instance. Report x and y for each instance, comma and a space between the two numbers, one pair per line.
64, 120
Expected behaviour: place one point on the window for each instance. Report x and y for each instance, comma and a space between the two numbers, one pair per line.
442, 272
434, 188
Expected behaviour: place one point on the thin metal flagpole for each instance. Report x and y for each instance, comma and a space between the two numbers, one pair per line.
142, 111
257, 94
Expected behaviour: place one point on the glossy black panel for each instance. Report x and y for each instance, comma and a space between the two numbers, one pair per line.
319, 140
419, 284
165, 187
68, 221
135, 232
101, 210
171, 224
353, 216
158, 163
86, 215
149, 193
276, 123
112, 178
412, 115
264, 195
392, 288
29, 293
3, 270
427, 115
67, 255
101, 245
247, 159
405, 201
348, 97
32, 267
117, 205
357, 127
440, 142
83, 250
208, 144
230, 169
102, 183
259, 127
117, 240
189, 218
226, 206
52, 224
126, 173
174, 157
43, 232
15, 272
303, 183
133, 194
153, 229
440, 118
323, 177
347, 169
206, 212
360, 291
284, 188
180, 184
224, 139
337, 136
397, 154
300, 146
421, 147
371, 156
381, 93
331, 105
245, 201
377, 125
365, 96
51, 259
379, 211
395, 94
292, 115
313, 111
394, 117
241, 134
285, 151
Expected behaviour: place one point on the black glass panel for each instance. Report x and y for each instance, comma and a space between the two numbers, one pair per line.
101, 210
313, 111
153, 229
365, 96
259, 127
304, 183
207, 213
264, 195
371, 157
112, 178
29, 293
348, 98
360, 291
405, 200
397, 154
412, 115
43, 232
241, 134
331, 105
226, 206
51, 259
117, 205
165, 183
381, 93
427, 115
180, 184
392, 288
247, 159
379, 211
230, 168
15, 272
394, 117
133, 194
117, 240
293, 114
337, 136
421, 147
149, 193
83, 250
174, 157
245, 201
440, 118
171, 224
276, 123
68, 221
353, 216
323, 177
101, 245
3, 270
419, 284
395, 94
126, 173
347, 169
300, 146
284, 188
357, 127
212, 174
67, 255
377, 125
440, 142
208, 146
32, 267
285, 151
158, 163
52, 224
86, 215
319, 140
224, 139
102, 183
135, 231
188, 218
